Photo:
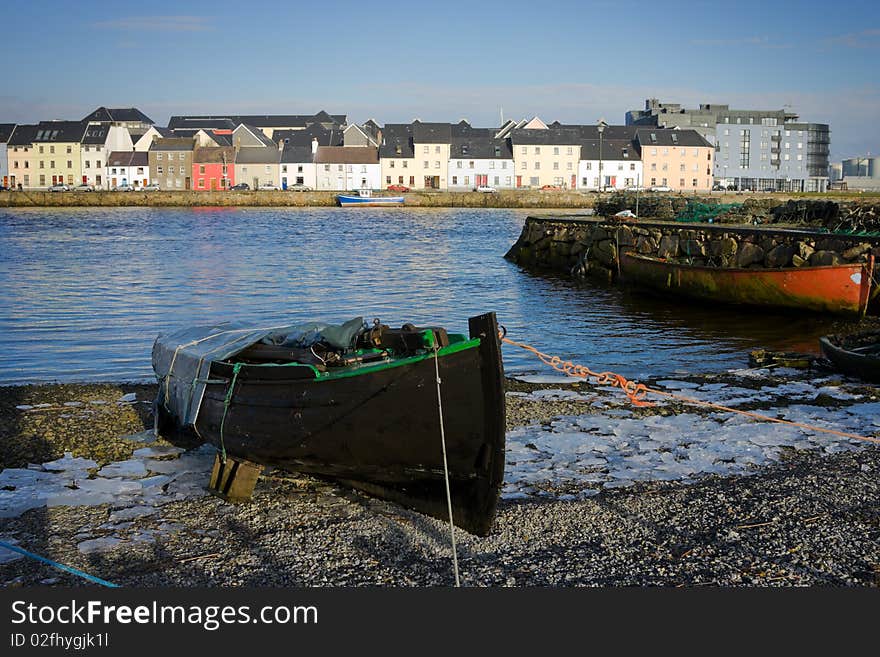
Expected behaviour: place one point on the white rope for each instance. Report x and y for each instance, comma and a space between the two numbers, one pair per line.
446, 465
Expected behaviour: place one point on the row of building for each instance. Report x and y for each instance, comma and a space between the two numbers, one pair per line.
663, 145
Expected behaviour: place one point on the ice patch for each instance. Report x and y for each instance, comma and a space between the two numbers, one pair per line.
102, 544
127, 399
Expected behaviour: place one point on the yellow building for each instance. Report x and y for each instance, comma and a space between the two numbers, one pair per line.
546, 155
415, 154
57, 153
678, 159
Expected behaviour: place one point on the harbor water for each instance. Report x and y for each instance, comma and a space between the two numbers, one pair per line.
85, 291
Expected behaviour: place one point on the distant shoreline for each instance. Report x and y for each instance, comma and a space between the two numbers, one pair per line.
529, 199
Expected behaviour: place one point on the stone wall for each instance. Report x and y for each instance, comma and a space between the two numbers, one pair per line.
502, 199
589, 247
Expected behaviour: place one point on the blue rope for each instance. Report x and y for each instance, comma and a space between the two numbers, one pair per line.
60, 566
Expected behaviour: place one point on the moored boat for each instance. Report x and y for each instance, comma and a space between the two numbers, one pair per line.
841, 289
365, 198
856, 354
352, 403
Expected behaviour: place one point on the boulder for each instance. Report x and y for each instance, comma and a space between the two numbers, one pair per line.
693, 247
856, 251
749, 254
804, 250
646, 245
825, 258
797, 261
779, 256
606, 253
669, 246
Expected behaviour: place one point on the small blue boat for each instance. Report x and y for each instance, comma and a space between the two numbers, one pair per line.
364, 197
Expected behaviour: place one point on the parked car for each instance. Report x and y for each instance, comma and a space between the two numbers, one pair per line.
84, 187
124, 187
152, 187
298, 187
268, 187
660, 188
626, 214
397, 188
551, 188
634, 188
240, 187
486, 189
4, 188
60, 187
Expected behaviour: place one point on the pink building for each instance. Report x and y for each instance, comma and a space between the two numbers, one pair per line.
213, 168
678, 159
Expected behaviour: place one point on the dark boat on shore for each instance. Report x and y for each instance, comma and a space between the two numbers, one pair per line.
352, 403
841, 289
856, 354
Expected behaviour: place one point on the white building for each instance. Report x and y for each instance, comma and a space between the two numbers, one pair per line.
621, 165
128, 168
343, 168
477, 158
297, 166
98, 142
5, 132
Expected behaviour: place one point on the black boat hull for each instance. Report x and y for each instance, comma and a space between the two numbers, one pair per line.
377, 431
860, 365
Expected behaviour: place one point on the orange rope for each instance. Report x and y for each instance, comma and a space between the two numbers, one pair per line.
637, 392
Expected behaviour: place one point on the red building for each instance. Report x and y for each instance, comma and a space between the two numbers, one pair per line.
213, 168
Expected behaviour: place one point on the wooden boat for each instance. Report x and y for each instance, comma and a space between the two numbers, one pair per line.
365, 198
843, 289
857, 354
370, 422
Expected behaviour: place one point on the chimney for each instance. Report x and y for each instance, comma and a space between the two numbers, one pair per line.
314, 145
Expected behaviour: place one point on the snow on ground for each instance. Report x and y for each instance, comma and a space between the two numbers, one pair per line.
579, 455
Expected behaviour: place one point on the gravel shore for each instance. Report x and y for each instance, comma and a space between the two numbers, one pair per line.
809, 518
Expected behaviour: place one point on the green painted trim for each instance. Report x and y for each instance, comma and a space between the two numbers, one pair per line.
369, 369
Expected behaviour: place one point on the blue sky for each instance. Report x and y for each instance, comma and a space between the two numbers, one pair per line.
396, 61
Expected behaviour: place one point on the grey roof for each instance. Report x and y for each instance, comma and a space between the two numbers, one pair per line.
96, 133
557, 136
670, 137
612, 149
478, 143
258, 155
431, 133
5, 131
23, 135
128, 159
117, 114
397, 140
172, 144
60, 131
213, 155
295, 153
261, 121
304, 137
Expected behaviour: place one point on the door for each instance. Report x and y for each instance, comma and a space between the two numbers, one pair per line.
188, 182
574, 181
519, 181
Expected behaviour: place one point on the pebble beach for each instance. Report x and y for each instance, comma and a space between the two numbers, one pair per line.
597, 493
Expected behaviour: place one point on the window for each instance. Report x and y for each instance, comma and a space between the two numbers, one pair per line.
391, 164
412, 181
589, 167
504, 164
537, 150
695, 182
201, 183
69, 149
800, 144
681, 168
653, 151
140, 171
437, 164
41, 164
556, 150
113, 171
182, 171
326, 167
426, 149
202, 170
387, 180
436, 149
491, 164
632, 166
569, 151
51, 149
299, 168
467, 180
159, 169
524, 165
471, 164
363, 168
52, 164
653, 166
584, 182
454, 180
181, 157
537, 165
458, 164
568, 166
681, 182
524, 150
158, 156
87, 164
425, 164
42, 180
283, 168
268, 168
405, 164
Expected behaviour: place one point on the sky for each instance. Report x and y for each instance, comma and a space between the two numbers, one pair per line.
575, 62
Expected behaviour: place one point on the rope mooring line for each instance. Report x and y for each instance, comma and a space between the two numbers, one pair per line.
59, 566
446, 465
637, 392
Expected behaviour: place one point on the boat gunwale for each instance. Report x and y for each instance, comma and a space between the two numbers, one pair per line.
734, 270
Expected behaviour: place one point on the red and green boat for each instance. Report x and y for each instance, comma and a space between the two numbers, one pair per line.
840, 289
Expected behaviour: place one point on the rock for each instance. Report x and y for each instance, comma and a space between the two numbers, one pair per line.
724, 248
804, 250
824, 258
606, 253
646, 245
693, 247
797, 261
625, 236
749, 254
668, 246
856, 251
779, 256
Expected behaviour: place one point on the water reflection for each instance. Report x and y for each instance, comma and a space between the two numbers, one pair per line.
83, 292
